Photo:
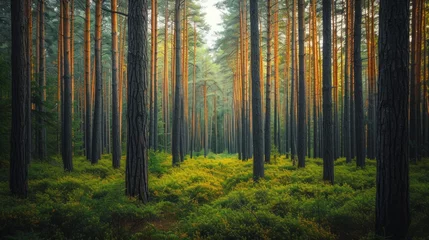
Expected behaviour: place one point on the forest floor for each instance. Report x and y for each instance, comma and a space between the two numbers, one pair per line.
204, 198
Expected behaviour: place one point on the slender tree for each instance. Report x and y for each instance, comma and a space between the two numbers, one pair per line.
258, 151
154, 90
20, 132
87, 76
67, 112
301, 90
292, 88
97, 128
268, 88
194, 97
136, 174
41, 129
166, 91
116, 137
178, 87
359, 115
392, 199
328, 147
346, 130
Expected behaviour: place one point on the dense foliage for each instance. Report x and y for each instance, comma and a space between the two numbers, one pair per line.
212, 198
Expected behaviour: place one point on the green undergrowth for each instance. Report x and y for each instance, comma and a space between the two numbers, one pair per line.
203, 198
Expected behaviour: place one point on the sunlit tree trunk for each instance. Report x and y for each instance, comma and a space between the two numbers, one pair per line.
166, 91
72, 58
122, 82
276, 74
292, 88
346, 130
267, 131
206, 121
154, 84
287, 77
194, 98
313, 31
116, 156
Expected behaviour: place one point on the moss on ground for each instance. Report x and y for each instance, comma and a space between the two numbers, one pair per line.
212, 198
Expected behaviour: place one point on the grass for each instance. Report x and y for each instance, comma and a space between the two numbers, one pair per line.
212, 198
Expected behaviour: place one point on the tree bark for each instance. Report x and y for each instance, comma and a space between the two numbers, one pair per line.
116, 137
267, 131
194, 98
346, 130
87, 75
20, 131
258, 151
359, 115
328, 147
392, 199
166, 91
292, 88
178, 87
67, 126
41, 133
96, 136
301, 91
136, 175
154, 47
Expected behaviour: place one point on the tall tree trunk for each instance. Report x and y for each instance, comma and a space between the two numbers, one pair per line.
347, 144
154, 109
328, 147
392, 199
335, 124
359, 115
67, 126
87, 70
258, 151
194, 98
315, 64
276, 75
72, 58
206, 121
166, 91
41, 133
136, 174
116, 137
301, 90
287, 86
96, 136
292, 88
414, 75
60, 77
178, 85
20, 130
267, 132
